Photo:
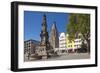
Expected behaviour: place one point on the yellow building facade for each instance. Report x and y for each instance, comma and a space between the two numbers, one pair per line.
69, 43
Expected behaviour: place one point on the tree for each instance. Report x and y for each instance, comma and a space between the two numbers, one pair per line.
79, 24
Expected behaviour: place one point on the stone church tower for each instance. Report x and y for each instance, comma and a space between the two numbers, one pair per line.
54, 37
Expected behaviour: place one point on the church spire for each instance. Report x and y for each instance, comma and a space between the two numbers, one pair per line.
54, 25
54, 40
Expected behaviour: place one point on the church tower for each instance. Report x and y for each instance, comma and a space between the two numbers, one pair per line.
54, 37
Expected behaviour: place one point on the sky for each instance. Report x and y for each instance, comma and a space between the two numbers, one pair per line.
33, 21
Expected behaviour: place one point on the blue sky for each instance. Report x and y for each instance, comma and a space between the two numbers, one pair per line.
33, 21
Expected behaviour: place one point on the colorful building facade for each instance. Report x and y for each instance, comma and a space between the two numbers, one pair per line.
73, 45
62, 42
70, 44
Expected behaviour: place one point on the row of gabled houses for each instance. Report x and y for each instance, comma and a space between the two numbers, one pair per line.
69, 45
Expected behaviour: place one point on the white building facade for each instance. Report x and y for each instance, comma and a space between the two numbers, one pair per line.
62, 42
78, 43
